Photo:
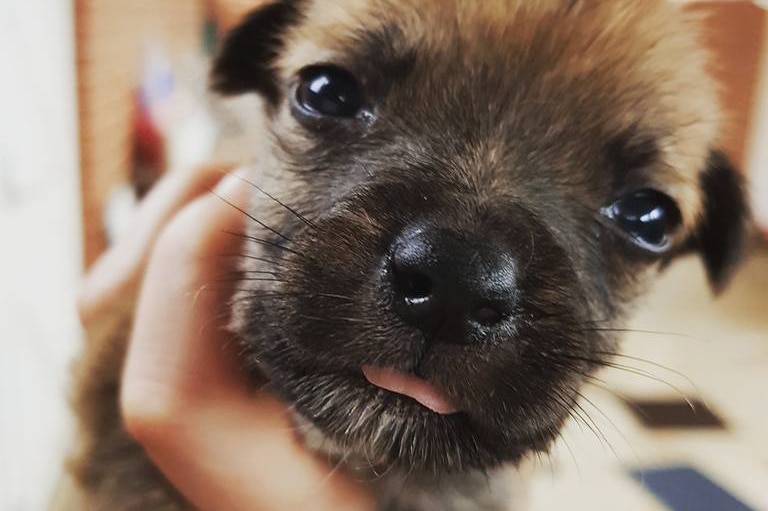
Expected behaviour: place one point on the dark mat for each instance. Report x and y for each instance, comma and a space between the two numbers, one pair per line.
686, 489
675, 414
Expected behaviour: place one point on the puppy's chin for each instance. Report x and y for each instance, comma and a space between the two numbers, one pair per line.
389, 430
385, 429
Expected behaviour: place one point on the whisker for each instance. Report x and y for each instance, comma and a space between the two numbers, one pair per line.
635, 331
572, 453
255, 294
254, 272
278, 201
573, 457
576, 412
241, 210
254, 279
264, 242
602, 434
637, 372
548, 428
262, 259
331, 319
612, 423
654, 364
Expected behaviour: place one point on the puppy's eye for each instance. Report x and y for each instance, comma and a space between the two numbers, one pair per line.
648, 217
329, 91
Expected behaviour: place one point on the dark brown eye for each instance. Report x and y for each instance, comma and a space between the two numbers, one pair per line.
649, 218
329, 91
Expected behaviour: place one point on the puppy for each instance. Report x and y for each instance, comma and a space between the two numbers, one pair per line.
479, 191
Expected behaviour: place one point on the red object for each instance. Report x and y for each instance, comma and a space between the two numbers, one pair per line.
149, 150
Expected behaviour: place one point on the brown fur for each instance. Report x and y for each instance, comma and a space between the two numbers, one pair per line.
608, 96
642, 54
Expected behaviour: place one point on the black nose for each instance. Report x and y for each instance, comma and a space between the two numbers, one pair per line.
452, 287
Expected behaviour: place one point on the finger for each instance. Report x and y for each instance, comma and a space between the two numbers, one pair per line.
112, 283
221, 445
183, 307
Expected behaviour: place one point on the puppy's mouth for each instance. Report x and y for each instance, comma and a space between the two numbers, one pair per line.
410, 386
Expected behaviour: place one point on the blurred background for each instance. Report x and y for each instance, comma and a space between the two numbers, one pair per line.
99, 98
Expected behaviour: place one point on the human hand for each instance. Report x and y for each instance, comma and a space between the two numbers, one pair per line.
222, 445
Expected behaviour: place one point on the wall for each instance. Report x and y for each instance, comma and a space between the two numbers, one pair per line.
113, 37
758, 157
734, 32
40, 247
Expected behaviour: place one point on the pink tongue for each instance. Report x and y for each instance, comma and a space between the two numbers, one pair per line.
410, 386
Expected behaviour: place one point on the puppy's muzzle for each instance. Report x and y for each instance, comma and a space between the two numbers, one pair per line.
455, 288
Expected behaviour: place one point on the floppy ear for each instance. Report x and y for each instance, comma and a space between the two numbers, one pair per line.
721, 236
246, 57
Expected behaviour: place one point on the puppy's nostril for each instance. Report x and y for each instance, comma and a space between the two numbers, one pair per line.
487, 315
416, 287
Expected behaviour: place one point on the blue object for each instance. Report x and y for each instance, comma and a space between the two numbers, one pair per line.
686, 489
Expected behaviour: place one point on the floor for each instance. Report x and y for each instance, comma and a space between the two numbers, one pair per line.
688, 346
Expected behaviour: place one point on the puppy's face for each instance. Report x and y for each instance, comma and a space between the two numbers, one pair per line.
472, 194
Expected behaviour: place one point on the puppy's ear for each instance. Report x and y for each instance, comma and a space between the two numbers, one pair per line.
246, 57
721, 236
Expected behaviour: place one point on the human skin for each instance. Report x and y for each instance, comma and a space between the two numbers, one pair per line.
219, 442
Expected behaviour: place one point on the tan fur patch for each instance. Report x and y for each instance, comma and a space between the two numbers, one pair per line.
651, 69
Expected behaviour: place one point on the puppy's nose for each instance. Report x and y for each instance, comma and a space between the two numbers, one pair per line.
452, 287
